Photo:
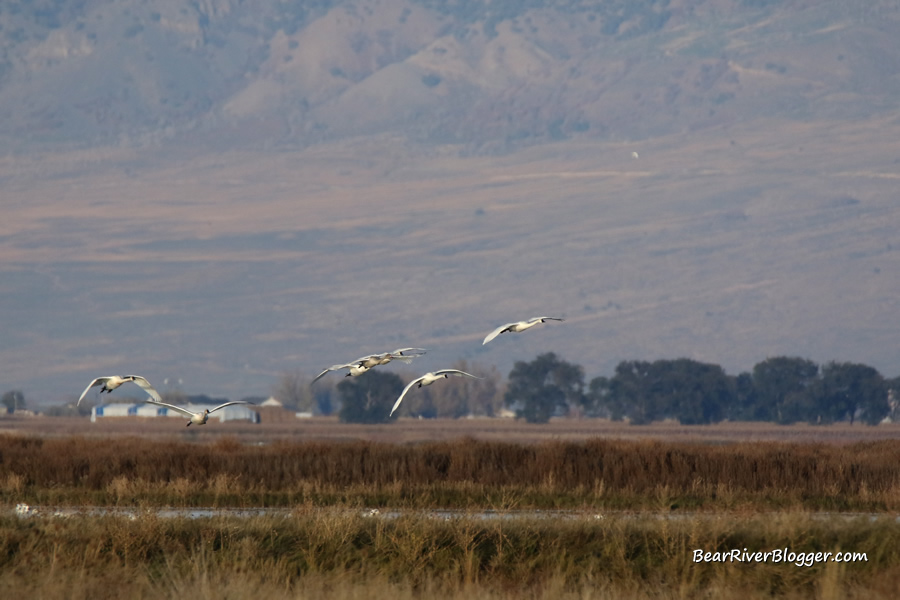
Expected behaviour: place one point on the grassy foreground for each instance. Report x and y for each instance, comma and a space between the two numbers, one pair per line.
463, 474
317, 553
659, 501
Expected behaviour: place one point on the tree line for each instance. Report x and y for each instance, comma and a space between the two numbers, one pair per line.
782, 389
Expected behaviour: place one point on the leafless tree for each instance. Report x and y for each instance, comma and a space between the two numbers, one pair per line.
294, 392
460, 396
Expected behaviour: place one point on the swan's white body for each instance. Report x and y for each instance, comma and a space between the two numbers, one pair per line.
428, 379
361, 365
517, 327
200, 418
373, 360
108, 384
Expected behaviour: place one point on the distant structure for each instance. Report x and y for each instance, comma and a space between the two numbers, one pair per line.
238, 412
273, 411
113, 410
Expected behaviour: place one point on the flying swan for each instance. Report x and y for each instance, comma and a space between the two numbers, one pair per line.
110, 383
428, 379
361, 365
356, 367
200, 418
402, 354
517, 327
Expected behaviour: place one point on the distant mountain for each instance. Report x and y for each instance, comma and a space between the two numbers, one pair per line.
492, 75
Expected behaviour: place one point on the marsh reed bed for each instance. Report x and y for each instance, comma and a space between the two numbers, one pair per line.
641, 510
315, 554
461, 474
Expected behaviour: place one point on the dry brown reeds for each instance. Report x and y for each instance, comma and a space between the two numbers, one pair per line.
341, 554
460, 474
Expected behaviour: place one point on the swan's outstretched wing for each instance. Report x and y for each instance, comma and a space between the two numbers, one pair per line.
456, 372
404, 359
335, 368
320, 376
96, 382
542, 319
403, 393
145, 385
383, 359
410, 352
496, 332
404, 355
212, 410
183, 411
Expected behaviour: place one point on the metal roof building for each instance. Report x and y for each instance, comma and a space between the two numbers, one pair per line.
237, 412
113, 410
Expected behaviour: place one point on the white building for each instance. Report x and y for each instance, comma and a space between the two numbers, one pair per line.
237, 412
113, 410
150, 410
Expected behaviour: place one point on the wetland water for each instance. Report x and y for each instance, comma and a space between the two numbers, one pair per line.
26, 511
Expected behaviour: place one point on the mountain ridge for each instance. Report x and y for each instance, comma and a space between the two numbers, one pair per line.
495, 76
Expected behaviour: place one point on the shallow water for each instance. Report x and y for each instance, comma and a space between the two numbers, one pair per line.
26, 511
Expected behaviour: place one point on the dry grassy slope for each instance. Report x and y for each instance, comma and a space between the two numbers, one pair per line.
136, 73
228, 269
546, 74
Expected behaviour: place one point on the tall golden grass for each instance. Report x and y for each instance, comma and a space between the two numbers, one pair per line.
341, 554
458, 474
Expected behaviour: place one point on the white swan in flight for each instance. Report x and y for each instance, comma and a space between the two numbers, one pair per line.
402, 354
517, 327
428, 379
200, 418
361, 365
356, 369
108, 384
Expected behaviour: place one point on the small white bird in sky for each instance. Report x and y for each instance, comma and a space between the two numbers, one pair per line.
108, 384
428, 379
200, 418
361, 365
517, 327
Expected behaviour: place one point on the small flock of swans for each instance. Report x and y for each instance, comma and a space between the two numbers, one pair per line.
354, 369
361, 365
